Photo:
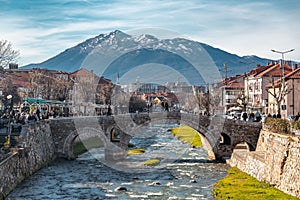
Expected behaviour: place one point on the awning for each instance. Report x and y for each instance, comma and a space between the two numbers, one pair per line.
43, 101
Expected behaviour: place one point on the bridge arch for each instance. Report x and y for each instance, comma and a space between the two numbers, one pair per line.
82, 134
225, 139
206, 140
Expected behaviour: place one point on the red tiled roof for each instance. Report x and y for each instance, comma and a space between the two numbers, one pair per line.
234, 84
292, 75
259, 69
275, 71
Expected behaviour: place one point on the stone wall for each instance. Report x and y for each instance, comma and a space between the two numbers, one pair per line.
276, 161
37, 150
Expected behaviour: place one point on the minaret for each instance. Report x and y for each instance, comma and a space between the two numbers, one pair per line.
118, 79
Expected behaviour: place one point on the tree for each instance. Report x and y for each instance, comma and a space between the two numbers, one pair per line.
210, 98
10, 89
104, 91
59, 89
278, 92
7, 53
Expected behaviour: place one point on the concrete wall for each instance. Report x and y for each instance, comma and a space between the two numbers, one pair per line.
37, 151
276, 161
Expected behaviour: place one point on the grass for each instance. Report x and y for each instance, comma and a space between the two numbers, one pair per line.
239, 185
151, 162
83, 146
188, 135
136, 151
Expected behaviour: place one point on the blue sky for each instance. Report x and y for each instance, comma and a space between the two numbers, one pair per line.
41, 29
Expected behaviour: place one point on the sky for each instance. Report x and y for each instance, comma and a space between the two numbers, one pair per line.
41, 29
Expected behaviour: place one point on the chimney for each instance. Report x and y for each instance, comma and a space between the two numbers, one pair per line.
13, 66
288, 62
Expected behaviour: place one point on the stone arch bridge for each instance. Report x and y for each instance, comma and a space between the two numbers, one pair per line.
115, 132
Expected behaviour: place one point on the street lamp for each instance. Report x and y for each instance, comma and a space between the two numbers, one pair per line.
9, 98
282, 66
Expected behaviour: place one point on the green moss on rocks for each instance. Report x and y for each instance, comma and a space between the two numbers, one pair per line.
188, 135
151, 162
136, 151
83, 146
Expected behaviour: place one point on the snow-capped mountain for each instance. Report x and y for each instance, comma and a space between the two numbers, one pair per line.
119, 54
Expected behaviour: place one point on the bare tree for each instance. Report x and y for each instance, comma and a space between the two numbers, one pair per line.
10, 89
58, 89
208, 99
279, 94
7, 53
104, 92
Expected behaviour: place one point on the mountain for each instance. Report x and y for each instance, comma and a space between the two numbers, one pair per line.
145, 56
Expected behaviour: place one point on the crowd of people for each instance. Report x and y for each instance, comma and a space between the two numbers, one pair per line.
23, 117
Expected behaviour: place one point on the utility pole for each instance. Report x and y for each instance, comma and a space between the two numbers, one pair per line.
247, 81
225, 70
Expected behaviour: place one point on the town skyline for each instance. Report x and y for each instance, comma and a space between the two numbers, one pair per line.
43, 29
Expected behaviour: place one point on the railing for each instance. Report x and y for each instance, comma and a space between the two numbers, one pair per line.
9, 136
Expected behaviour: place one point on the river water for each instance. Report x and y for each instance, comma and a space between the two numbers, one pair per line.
183, 173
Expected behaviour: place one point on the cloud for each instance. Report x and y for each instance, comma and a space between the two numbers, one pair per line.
43, 29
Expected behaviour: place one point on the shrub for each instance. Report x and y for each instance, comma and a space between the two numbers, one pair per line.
277, 125
296, 125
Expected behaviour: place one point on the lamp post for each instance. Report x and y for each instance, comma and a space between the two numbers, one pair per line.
10, 103
283, 81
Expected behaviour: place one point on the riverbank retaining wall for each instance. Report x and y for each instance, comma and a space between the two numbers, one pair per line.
36, 150
276, 160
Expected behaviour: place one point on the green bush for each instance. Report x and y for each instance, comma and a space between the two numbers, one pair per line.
277, 125
296, 125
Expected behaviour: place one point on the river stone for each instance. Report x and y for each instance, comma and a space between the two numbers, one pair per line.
121, 188
155, 183
193, 181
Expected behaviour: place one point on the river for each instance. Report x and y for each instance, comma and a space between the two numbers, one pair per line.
183, 173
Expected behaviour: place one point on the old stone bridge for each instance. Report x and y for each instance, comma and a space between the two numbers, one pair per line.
114, 132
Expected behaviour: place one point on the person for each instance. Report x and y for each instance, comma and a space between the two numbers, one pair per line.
257, 117
167, 106
251, 117
163, 104
297, 117
109, 111
263, 117
278, 115
245, 116
235, 115
37, 112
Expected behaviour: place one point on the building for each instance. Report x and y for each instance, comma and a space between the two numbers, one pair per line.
232, 90
291, 98
256, 83
88, 91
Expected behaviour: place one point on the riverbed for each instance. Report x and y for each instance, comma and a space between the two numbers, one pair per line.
183, 173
